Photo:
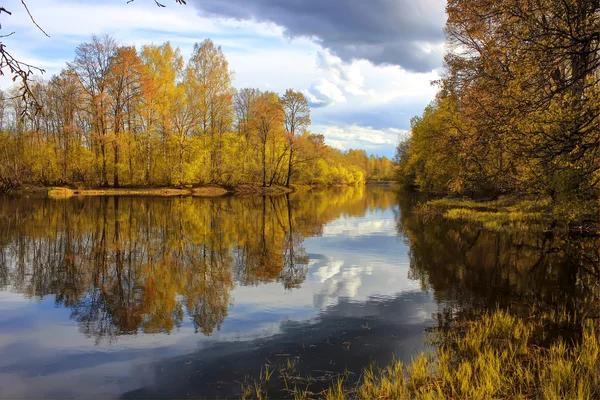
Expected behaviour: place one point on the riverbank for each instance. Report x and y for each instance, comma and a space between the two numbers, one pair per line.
201, 191
516, 212
496, 355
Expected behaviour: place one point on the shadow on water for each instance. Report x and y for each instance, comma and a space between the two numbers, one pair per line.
127, 269
348, 336
470, 269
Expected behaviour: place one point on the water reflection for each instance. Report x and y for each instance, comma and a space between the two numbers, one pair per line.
124, 265
175, 297
152, 282
468, 268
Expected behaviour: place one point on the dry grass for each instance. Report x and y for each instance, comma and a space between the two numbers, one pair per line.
253, 190
504, 213
207, 191
492, 357
203, 191
509, 213
61, 193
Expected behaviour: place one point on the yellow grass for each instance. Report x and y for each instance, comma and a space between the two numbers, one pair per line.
208, 191
252, 190
492, 357
504, 213
510, 212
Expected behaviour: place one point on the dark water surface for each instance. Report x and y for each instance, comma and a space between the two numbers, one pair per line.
186, 297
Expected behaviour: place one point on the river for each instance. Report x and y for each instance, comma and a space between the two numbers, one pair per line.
129, 297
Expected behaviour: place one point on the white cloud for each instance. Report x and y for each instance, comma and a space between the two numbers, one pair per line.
344, 227
75, 18
337, 282
348, 76
329, 270
324, 93
359, 137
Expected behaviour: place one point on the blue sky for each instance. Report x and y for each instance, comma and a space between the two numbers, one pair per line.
366, 67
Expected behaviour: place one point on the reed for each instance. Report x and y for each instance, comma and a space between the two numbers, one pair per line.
495, 356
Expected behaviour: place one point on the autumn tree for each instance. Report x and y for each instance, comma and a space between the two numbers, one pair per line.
118, 116
92, 65
296, 118
518, 109
526, 75
68, 125
163, 66
245, 101
268, 121
210, 93
125, 89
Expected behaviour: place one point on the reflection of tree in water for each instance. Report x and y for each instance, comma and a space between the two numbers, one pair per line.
276, 253
468, 267
125, 265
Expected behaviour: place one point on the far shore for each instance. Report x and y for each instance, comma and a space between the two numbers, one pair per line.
63, 192
57, 192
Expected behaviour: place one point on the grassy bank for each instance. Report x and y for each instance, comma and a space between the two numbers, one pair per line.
253, 190
208, 191
203, 191
495, 356
512, 212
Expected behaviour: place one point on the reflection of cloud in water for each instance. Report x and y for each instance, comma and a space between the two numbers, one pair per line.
357, 277
328, 270
338, 282
352, 227
340, 268
12, 300
377, 329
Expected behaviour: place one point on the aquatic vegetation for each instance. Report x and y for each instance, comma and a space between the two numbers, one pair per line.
493, 215
510, 212
495, 356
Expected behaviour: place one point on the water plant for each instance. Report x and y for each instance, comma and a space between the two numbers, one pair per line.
494, 356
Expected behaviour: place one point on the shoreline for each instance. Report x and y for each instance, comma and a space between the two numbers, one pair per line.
64, 192
517, 212
213, 190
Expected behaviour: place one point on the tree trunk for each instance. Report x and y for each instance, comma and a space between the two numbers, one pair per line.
116, 167
104, 175
148, 161
264, 163
289, 172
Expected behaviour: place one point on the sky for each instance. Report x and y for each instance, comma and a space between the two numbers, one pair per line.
365, 66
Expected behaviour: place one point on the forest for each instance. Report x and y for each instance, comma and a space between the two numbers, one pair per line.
118, 116
518, 106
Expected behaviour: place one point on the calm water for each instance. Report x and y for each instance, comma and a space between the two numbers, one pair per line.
175, 297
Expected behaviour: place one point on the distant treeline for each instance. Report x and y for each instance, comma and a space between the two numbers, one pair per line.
118, 116
519, 103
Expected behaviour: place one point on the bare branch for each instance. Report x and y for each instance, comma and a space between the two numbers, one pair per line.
162, 5
33, 20
21, 71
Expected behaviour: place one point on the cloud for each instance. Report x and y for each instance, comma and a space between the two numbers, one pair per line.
406, 33
324, 93
338, 281
377, 141
346, 75
360, 228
